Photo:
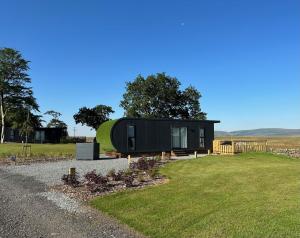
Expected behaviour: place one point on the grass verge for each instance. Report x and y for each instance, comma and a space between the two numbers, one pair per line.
38, 150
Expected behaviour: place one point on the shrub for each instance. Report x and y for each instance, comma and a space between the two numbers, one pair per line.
128, 172
116, 176
111, 173
73, 140
71, 180
133, 166
153, 173
96, 182
119, 175
141, 177
151, 163
128, 180
143, 164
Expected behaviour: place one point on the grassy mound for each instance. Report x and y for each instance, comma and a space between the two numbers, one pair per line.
103, 136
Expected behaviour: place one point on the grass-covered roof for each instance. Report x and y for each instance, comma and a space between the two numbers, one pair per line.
103, 136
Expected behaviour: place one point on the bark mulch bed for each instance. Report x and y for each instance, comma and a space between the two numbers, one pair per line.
82, 193
141, 174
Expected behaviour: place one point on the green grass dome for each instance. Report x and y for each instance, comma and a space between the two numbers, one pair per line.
103, 136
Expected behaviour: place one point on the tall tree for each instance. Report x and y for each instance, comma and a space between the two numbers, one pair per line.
15, 91
55, 121
93, 117
159, 96
190, 108
17, 118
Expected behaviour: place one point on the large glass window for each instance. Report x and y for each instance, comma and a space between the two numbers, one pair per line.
201, 138
131, 137
39, 136
179, 137
11, 134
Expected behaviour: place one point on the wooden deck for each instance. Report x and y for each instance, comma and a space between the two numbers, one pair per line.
238, 146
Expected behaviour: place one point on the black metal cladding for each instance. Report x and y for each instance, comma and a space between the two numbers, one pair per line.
154, 135
51, 135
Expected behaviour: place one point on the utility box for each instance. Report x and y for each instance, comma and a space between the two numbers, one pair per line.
87, 151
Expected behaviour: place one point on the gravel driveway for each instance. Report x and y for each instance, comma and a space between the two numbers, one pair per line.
29, 209
50, 172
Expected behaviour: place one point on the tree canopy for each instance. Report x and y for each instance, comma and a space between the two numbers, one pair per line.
55, 121
159, 96
93, 117
15, 92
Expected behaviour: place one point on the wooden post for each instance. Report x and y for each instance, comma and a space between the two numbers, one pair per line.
163, 155
72, 171
129, 159
196, 154
208, 152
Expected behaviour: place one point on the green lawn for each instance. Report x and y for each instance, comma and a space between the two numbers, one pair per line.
38, 150
247, 195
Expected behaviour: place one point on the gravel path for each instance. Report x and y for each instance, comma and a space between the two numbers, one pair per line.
27, 209
51, 172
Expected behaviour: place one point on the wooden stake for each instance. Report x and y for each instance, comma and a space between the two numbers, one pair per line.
163, 155
72, 171
129, 159
196, 154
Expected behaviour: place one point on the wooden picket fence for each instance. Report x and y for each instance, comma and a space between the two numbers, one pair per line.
238, 146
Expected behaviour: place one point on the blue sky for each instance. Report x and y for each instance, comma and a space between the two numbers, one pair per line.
243, 56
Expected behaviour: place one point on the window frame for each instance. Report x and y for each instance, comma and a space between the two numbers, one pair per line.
202, 138
132, 138
180, 137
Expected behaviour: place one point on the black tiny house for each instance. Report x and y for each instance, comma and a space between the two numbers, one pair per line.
39, 135
139, 135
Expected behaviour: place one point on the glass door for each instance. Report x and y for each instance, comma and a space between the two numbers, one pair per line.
179, 137
175, 137
183, 137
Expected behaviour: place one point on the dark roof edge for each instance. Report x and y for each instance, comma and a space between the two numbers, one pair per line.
167, 119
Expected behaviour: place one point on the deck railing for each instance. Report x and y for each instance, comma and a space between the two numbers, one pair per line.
238, 146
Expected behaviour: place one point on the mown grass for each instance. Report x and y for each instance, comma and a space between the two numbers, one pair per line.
247, 195
38, 150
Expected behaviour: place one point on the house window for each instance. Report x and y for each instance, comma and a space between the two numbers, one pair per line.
201, 138
11, 134
39, 136
131, 137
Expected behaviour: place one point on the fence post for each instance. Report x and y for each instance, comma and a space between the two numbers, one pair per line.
163, 155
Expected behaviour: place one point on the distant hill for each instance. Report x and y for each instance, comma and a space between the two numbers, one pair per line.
261, 132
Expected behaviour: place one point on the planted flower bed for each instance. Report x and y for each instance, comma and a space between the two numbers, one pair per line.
142, 173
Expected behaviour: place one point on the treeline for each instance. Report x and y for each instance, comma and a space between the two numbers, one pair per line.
154, 96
